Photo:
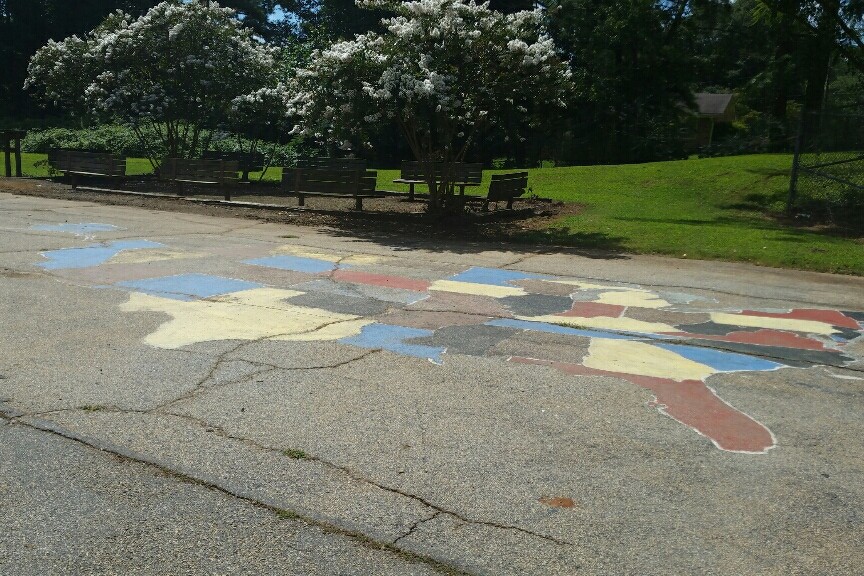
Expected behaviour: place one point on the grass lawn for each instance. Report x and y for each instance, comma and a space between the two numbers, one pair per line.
712, 208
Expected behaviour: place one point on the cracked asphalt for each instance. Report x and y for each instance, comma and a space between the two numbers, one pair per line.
139, 438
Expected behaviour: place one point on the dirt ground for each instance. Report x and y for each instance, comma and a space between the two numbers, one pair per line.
390, 217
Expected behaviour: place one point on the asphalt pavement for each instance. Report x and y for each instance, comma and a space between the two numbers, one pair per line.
187, 394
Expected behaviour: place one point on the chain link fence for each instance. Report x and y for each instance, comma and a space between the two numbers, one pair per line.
827, 180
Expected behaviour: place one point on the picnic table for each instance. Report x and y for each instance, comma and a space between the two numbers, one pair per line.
464, 175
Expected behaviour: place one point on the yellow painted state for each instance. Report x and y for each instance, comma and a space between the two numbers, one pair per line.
622, 324
791, 324
256, 314
476, 289
150, 255
643, 359
632, 298
352, 259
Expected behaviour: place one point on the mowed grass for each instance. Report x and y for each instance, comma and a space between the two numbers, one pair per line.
704, 208
712, 208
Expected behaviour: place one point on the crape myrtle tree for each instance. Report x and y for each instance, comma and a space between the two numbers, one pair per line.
173, 72
443, 71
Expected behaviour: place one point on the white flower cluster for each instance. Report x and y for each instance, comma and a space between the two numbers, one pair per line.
179, 60
442, 67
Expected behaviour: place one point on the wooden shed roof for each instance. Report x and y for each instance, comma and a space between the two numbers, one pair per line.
713, 104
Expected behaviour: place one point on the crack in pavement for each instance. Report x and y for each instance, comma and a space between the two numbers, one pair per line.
219, 431
416, 525
129, 456
520, 260
361, 478
200, 386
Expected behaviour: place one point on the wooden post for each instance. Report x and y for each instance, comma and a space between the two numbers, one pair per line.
7, 137
18, 155
7, 144
358, 200
222, 178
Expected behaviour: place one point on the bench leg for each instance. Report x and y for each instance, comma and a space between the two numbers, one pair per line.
485, 205
358, 203
509, 203
227, 193
301, 200
411, 191
74, 178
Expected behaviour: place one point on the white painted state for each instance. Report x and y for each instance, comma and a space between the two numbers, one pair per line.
150, 255
632, 299
622, 324
789, 324
329, 257
476, 289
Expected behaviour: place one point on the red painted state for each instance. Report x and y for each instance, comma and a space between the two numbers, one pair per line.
593, 310
690, 402
381, 280
762, 337
832, 317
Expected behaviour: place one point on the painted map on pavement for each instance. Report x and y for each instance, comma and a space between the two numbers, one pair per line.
668, 342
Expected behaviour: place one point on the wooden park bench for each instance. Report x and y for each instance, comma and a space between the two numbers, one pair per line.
505, 187
76, 163
464, 174
356, 184
246, 161
219, 173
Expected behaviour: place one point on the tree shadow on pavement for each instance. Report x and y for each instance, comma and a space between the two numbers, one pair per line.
519, 230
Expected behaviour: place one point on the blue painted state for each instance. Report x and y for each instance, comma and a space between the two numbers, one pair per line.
722, 361
92, 255
294, 263
77, 229
188, 286
494, 276
392, 338
555, 329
